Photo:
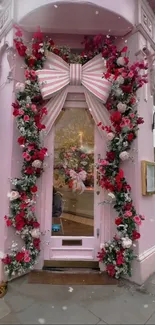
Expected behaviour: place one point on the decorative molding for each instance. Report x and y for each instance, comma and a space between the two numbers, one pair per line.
146, 18
6, 17
148, 253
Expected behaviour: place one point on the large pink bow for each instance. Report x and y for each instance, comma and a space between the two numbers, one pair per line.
58, 74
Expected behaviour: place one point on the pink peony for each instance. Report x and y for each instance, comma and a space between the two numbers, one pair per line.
137, 220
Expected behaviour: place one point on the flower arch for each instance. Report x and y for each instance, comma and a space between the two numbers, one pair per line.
28, 110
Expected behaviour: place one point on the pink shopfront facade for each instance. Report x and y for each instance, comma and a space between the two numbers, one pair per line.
67, 22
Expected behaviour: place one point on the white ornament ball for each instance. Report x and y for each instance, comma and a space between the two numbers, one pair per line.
126, 242
35, 233
121, 107
110, 136
37, 163
20, 86
121, 61
124, 155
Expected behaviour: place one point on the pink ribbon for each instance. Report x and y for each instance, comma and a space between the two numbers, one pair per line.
58, 74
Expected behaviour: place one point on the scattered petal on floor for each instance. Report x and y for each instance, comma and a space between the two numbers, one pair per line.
70, 289
145, 306
64, 307
41, 321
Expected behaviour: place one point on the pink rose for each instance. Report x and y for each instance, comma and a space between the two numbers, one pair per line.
27, 257
21, 112
131, 74
137, 220
132, 115
33, 73
26, 118
27, 74
104, 163
128, 214
34, 108
27, 105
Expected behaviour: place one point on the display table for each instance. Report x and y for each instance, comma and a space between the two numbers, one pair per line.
79, 204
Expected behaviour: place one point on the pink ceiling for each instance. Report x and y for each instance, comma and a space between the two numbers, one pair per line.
152, 4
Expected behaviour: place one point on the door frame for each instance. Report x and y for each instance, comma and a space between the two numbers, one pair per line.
52, 248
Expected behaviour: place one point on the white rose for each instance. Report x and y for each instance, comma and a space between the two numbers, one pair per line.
37, 163
121, 107
121, 61
126, 242
124, 155
111, 195
35, 233
120, 80
20, 86
14, 195
110, 136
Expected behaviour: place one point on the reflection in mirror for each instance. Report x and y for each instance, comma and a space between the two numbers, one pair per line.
73, 192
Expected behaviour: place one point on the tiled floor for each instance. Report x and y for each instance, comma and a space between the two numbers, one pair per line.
47, 304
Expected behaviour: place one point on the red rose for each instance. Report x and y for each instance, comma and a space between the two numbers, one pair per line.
127, 89
21, 140
31, 61
110, 268
51, 42
110, 156
29, 171
116, 117
20, 256
135, 235
7, 260
20, 225
130, 137
118, 221
101, 255
16, 112
140, 120
36, 243
9, 223
15, 105
56, 51
36, 224
34, 189
120, 258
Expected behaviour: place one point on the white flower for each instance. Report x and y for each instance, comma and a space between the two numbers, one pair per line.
126, 242
110, 136
14, 195
37, 163
121, 107
20, 86
118, 92
120, 80
35, 233
121, 61
124, 155
28, 82
111, 195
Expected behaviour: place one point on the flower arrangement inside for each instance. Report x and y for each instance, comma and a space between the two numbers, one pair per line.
29, 109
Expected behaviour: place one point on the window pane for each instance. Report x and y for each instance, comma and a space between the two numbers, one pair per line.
73, 199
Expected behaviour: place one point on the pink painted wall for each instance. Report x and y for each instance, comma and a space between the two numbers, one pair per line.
6, 134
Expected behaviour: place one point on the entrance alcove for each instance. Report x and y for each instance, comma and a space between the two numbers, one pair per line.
54, 21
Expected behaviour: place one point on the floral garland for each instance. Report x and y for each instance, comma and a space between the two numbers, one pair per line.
29, 110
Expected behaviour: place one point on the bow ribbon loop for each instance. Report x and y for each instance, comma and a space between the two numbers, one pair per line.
58, 74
